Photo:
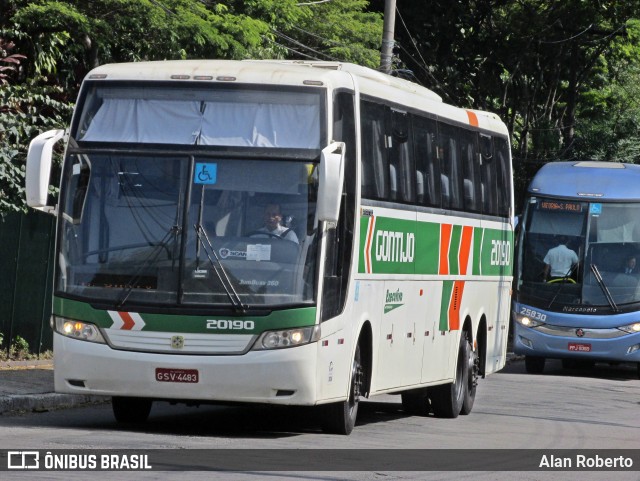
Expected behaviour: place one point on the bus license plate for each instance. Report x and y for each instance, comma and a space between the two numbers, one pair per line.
176, 375
579, 347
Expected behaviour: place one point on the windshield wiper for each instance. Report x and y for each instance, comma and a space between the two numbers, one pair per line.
219, 269
146, 262
603, 286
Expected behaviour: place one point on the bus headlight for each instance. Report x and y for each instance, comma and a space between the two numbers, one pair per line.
631, 328
83, 331
527, 321
287, 338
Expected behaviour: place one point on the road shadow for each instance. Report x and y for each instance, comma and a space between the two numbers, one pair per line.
230, 421
596, 370
254, 422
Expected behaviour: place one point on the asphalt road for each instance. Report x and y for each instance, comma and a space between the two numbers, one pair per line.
562, 409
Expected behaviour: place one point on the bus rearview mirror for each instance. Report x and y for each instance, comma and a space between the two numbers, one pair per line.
38, 171
330, 180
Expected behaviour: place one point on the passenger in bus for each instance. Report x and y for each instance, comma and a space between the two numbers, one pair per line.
630, 265
560, 260
273, 225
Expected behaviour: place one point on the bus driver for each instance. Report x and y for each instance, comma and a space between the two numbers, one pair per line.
560, 260
273, 224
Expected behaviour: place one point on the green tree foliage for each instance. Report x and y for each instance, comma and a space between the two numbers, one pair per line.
335, 30
70, 38
537, 63
60, 41
608, 126
26, 109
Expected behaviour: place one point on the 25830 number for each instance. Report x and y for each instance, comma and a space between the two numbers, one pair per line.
538, 316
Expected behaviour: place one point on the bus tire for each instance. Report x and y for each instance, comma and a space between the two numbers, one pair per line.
416, 402
340, 418
447, 399
473, 369
131, 409
534, 364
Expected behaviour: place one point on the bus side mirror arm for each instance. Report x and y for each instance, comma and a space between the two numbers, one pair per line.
38, 172
330, 181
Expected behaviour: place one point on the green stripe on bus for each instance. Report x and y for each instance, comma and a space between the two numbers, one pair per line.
392, 240
283, 319
427, 248
454, 248
447, 289
477, 251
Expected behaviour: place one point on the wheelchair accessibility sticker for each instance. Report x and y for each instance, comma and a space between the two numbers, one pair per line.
205, 173
595, 209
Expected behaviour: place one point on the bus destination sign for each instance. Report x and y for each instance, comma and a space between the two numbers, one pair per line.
560, 206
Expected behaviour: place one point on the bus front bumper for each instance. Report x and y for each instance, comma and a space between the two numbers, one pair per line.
563, 343
283, 376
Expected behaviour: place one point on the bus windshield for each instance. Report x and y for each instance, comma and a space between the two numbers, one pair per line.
597, 244
190, 230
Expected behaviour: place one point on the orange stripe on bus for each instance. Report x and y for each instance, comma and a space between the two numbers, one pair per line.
368, 249
454, 305
473, 118
128, 321
445, 241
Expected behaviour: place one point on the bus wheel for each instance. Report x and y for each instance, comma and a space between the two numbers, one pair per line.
447, 399
534, 364
131, 409
340, 418
473, 368
416, 402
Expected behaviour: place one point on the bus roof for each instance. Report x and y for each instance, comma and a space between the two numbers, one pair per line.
586, 180
296, 72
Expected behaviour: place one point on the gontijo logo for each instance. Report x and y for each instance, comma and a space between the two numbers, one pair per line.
395, 246
389, 245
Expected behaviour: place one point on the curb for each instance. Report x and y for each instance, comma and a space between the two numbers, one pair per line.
46, 401
32, 364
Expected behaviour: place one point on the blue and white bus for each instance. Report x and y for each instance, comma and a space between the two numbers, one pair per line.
590, 312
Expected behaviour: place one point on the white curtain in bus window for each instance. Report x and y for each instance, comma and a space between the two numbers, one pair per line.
618, 223
143, 120
261, 125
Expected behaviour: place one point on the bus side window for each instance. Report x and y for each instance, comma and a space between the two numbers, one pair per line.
428, 179
375, 171
503, 169
488, 179
470, 170
451, 175
401, 161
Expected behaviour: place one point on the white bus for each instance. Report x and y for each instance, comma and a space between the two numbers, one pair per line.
396, 278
